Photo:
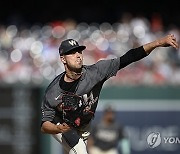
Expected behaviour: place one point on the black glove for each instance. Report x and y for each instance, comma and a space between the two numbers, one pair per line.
72, 107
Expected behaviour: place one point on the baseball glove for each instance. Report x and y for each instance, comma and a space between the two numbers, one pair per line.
72, 108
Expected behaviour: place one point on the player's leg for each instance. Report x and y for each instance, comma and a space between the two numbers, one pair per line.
71, 142
79, 148
65, 146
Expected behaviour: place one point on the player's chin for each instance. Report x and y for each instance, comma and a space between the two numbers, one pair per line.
78, 66
78, 69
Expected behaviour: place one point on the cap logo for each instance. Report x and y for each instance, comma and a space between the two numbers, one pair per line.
72, 42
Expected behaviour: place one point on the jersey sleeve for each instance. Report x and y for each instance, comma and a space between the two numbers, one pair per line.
47, 112
108, 68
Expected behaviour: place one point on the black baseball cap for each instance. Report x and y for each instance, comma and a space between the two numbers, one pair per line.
69, 45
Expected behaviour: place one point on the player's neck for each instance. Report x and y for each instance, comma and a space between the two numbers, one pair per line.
71, 76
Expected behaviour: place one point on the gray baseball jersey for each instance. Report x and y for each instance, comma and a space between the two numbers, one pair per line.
89, 87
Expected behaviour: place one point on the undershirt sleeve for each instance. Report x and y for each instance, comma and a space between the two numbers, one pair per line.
132, 56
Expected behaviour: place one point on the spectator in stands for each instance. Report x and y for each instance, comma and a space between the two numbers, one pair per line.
107, 136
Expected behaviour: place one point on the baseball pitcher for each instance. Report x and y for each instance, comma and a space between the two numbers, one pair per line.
70, 100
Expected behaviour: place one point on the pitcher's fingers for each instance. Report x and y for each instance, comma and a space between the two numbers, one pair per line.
175, 44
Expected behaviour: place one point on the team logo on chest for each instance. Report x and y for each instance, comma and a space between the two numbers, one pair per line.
89, 100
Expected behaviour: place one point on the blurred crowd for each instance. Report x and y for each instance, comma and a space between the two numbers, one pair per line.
29, 54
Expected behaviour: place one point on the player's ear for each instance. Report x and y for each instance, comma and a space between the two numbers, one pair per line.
63, 59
